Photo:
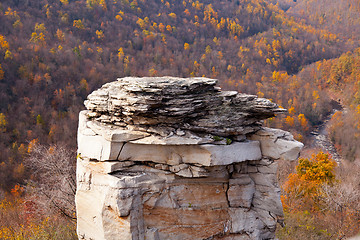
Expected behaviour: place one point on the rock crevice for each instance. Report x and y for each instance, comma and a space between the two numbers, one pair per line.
175, 158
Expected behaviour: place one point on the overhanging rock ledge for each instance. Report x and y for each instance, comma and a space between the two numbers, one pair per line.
177, 158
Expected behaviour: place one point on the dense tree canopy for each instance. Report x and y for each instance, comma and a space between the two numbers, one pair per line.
53, 53
303, 55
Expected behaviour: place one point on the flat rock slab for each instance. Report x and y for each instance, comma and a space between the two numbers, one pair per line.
204, 155
102, 146
95, 147
277, 144
115, 134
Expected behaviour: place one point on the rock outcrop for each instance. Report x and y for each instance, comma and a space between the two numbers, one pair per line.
174, 158
194, 104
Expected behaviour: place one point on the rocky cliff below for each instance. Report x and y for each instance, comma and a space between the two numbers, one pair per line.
176, 158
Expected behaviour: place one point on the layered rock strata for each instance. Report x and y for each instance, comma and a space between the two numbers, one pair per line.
177, 103
174, 158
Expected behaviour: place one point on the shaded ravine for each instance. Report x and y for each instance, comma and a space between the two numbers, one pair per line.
320, 137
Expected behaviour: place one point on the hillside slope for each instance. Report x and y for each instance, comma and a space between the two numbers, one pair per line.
54, 52
340, 17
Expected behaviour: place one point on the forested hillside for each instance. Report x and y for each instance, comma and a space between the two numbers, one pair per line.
53, 53
340, 17
303, 55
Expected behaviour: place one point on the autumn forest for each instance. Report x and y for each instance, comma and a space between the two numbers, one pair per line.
303, 55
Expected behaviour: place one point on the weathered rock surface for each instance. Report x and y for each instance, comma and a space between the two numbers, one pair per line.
177, 103
277, 144
172, 158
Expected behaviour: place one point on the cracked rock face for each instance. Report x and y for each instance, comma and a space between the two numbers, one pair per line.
194, 104
173, 158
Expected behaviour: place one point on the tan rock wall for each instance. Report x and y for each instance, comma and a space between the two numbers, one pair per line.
153, 195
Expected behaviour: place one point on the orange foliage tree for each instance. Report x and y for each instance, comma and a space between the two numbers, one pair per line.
303, 188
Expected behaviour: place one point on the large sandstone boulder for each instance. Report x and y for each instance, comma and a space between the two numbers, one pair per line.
173, 158
178, 103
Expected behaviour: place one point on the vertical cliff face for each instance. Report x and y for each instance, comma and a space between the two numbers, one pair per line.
174, 158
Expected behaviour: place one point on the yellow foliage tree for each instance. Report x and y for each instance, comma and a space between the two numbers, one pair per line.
4, 45
32, 144
220, 55
208, 49
120, 54
152, 72
303, 122
141, 23
8, 55
38, 36
303, 188
292, 110
78, 24
186, 46
172, 15
289, 121
60, 35
169, 28
99, 34
17, 24
91, 3
133, 4
126, 62
120, 16
3, 122
12, 14
187, 13
161, 27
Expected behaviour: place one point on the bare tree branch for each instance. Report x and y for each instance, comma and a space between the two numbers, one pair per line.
53, 184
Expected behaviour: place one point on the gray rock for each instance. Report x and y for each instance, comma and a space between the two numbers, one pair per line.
243, 220
179, 103
276, 144
203, 155
96, 147
241, 192
268, 199
115, 134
